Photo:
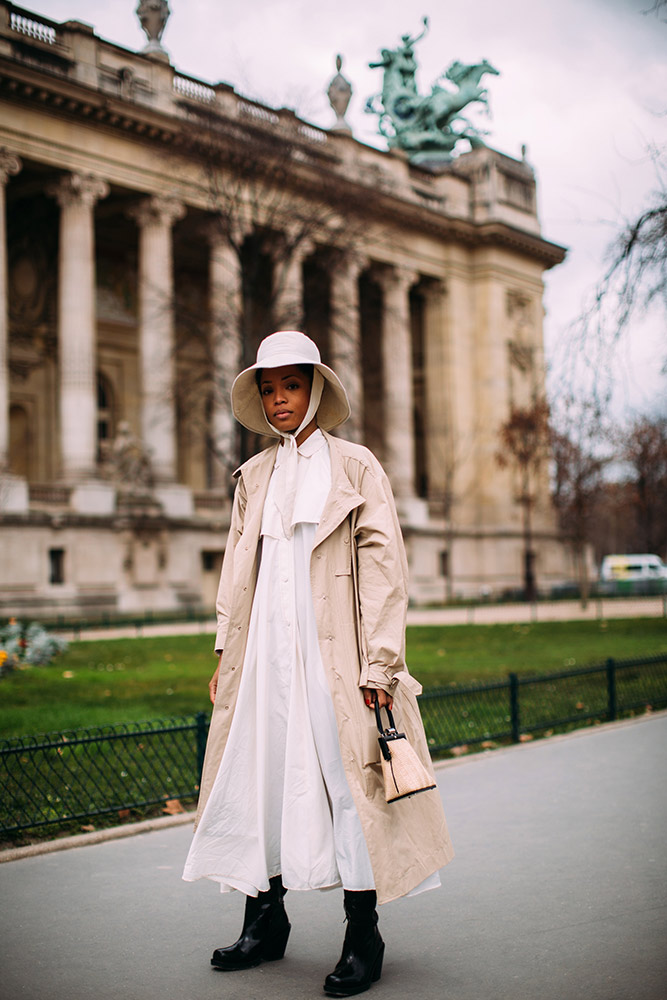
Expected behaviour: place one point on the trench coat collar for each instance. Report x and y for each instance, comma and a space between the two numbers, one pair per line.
342, 498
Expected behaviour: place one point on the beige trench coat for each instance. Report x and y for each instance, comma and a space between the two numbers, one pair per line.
358, 577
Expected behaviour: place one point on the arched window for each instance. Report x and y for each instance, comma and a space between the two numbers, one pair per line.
105, 412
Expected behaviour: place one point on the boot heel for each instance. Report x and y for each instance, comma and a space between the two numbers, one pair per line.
274, 949
377, 968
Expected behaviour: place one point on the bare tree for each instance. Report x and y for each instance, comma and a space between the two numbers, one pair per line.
579, 461
644, 449
524, 444
275, 202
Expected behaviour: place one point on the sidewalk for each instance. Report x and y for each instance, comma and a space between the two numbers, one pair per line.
558, 892
480, 614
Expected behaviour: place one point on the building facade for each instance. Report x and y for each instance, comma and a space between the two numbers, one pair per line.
153, 229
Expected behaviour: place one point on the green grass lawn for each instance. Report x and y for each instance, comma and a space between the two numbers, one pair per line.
124, 680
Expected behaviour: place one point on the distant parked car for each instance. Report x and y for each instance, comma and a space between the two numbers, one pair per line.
637, 573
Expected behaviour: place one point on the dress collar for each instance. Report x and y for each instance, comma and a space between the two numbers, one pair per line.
312, 444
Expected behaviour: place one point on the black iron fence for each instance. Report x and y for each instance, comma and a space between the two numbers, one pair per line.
519, 706
59, 778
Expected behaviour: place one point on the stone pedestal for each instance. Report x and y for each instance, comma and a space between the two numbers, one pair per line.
176, 500
94, 498
14, 496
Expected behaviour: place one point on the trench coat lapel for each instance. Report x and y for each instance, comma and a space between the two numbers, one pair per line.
342, 497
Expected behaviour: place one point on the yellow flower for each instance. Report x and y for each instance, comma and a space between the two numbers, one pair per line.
3, 656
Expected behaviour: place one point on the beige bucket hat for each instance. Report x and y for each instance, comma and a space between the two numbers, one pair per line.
287, 347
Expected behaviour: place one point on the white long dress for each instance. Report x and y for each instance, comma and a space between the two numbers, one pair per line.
281, 803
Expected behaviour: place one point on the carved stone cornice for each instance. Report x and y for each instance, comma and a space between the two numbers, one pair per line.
70, 99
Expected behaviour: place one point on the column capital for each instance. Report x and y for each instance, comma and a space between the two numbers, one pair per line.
78, 189
348, 263
223, 231
433, 289
162, 210
10, 164
390, 276
288, 248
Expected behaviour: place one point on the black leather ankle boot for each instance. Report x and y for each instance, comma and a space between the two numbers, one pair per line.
360, 963
264, 935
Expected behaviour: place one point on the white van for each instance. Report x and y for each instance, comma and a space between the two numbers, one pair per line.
643, 566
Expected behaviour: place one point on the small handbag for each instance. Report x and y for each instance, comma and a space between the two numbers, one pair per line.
403, 772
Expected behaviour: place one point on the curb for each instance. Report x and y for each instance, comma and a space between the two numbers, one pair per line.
96, 837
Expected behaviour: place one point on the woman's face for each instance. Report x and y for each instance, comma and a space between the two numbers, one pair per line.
285, 395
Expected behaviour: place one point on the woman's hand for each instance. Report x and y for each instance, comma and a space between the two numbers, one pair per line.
371, 694
213, 683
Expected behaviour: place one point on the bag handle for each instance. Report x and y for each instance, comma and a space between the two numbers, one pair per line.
378, 717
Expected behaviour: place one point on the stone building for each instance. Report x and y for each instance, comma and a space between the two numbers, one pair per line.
153, 229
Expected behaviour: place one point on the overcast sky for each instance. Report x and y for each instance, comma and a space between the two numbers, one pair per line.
583, 84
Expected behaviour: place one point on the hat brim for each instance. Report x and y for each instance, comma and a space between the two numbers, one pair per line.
334, 408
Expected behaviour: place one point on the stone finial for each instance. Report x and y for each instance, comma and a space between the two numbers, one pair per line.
153, 16
339, 94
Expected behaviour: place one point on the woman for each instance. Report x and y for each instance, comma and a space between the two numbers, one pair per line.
311, 631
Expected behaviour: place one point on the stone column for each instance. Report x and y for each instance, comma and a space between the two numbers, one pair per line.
225, 298
462, 386
439, 455
345, 336
155, 217
9, 166
288, 283
77, 194
13, 489
397, 381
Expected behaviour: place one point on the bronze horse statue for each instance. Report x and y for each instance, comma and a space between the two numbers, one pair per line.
433, 122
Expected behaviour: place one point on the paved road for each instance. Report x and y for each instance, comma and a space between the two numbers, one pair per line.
558, 892
483, 614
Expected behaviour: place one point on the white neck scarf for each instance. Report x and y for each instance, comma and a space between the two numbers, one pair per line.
286, 472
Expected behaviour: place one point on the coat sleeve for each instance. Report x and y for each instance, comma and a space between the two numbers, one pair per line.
224, 598
382, 571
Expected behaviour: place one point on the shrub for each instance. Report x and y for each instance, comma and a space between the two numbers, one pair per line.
28, 645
